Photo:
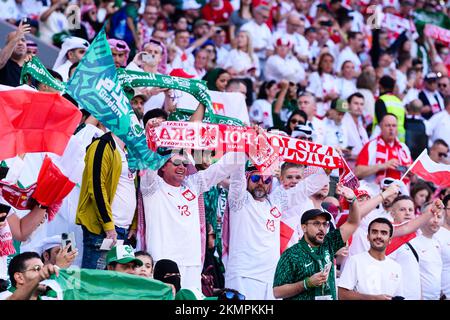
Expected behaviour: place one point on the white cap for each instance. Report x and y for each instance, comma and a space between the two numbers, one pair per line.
69, 43
48, 243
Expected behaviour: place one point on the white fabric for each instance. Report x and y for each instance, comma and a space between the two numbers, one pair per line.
410, 270
63, 70
346, 87
443, 237
356, 133
240, 61
320, 86
172, 220
70, 43
5, 295
9, 10
318, 127
348, 54
56, 22
179, 63
299, 43
261, 36
369, 104
261, 112
190, 276
124, 204
251, 288
222, 55
430, 262
438, 127
367, 275
401, 81
277, 68
3, 267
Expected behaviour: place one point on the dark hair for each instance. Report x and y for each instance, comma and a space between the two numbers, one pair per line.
321, 58
388, 114
234, 81
384, 221
155, 113
419, 186
354, 95
177, 32
401, 198
366, 80
143, 253
441, 142
17, 264
73, 66
402, 58
262, 94
446, 200
299, 112
310, 29
352, 34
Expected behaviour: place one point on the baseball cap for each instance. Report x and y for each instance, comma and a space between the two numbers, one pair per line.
339, 105
386, 182
122, 254
302, 131
432, 76
312, 213
180, 73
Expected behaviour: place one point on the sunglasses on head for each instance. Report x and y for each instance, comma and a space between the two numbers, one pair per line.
177, 162
255, 179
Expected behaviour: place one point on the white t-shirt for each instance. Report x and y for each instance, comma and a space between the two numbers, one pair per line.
348, 54
443, 237
241, 61
430, 262
183, 59
261, 36
320, 86
367, 275
277, 68
56, 22
124, 203
438, 127
63, 70
318, 127
410, 270
261, 112
346, 87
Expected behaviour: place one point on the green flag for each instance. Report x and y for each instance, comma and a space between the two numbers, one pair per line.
423, 17
91, 284
96, 88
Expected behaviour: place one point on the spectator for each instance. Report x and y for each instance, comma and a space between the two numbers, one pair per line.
444, 86
439, 151
439, 125
433, 101
261, 110
366, 84
146, 270
297, 118
388, 102
285, 105
241, 61
89, 22
420, 193
388, 157
26, 271
291, 174
147, 23
346, 83
307, 103
107, 198
443, 237
240, 17
168, 272
249, 198
304, 273
222, 49
122, 259
282, 65
120, 52
351, 52
404, 64
415, 129
198, 69
322, 84
217, 12
137, 103
52, 253
430, 259
53, 20
72, 50
383, 279
12, 56
184, 56
217, 79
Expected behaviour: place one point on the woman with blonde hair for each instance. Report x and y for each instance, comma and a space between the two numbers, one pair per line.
242, 61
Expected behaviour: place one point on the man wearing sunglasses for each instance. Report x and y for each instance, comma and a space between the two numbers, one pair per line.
438, 127
255, 214
171, 203
439, 152
26, 271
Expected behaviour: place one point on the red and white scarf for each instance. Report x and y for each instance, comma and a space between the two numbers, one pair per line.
6, 241
383, 156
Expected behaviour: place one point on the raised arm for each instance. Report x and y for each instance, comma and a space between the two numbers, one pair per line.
238, 189
353, 219
13, 39
367, 206
21, 228
306, 188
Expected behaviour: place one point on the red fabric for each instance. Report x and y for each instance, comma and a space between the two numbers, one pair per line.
218, 16
52, 185
428, 170
397, 242
180, 73
35, 122
272, 12
286, 233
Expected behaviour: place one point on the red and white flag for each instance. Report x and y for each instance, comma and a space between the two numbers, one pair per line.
347, 177
429, 170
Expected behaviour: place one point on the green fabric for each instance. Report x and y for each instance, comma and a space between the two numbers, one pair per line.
290, 105
185, 114
90, 284
298, 263
211, 78
422, 17
215, 202
132, 11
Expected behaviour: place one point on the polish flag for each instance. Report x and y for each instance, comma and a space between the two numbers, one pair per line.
429, 170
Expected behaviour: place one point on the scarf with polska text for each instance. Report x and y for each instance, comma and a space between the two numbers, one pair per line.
384, 154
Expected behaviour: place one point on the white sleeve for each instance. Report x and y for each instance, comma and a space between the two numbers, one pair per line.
306, 188
256, 65
15, 170
237, 194
255, 113
348, 280
217, 172
149, 183
314, 85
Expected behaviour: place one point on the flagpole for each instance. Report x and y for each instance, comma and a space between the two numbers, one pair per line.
413, 164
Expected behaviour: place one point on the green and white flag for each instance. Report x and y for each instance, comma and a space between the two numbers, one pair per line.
96, 88
91, 284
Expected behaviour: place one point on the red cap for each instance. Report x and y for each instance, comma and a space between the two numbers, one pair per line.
180, 73
283, 42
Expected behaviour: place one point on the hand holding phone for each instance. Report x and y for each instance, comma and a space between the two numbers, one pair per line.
68, 239
327, 268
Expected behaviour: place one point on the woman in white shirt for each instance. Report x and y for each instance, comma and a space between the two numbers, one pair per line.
261, 110
242, 61
346, 82
322, 84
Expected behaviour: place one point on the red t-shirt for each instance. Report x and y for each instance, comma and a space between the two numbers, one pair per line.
218, 16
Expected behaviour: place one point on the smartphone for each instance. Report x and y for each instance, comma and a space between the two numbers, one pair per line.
68, 239
4, 208
327, 268
147, 58
402, 168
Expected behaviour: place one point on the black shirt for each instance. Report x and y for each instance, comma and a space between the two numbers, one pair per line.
10, 74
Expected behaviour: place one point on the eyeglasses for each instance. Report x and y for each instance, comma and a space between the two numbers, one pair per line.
177, 162
442, 155
317, 224
34, 268
443, 85
230, 295
295, 121
292, 177
255, 179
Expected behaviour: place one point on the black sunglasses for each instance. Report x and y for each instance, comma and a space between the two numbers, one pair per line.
442, 155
